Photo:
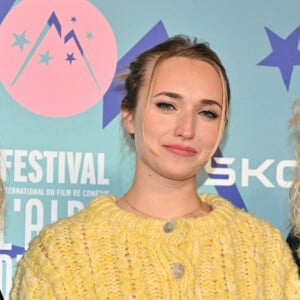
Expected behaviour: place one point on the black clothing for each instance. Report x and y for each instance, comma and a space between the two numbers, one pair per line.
294, 243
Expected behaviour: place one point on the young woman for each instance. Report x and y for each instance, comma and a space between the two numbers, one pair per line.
293, 238
162, 240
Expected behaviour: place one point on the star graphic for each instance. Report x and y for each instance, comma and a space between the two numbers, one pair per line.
70, 57
45, 58
73, 19
20, 40
89, 35
285, 54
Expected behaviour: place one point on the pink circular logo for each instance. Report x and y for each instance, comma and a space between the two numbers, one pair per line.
57, 58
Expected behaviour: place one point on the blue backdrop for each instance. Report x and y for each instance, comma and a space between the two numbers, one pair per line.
59, 106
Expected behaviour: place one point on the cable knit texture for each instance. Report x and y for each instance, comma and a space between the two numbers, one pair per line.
104, 252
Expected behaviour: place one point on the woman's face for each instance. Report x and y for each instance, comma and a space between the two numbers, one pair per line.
177, 130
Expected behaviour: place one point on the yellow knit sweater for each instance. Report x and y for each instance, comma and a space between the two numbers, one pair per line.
104, 252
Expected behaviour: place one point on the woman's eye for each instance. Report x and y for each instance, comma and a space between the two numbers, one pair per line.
165, 106
209, 114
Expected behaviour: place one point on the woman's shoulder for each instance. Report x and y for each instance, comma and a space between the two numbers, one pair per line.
241, 219
256, 233
66, 238
70, 228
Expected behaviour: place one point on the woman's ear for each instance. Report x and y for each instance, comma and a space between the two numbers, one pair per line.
127, 119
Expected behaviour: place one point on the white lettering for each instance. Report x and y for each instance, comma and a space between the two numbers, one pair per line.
280, 172
54, 211
6, 163
36, 176
54, 167
94, 193
74, 166
88, 170
50, 155
229, 173
101, 163
6, 274
258, 173
20, 165
61, 167
74, 207
34, 220
3, 245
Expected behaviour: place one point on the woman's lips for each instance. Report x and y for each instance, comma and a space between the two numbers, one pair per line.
181, 150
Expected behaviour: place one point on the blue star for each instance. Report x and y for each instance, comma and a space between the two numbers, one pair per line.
20, 40
73, 19
285, 54
70, 57
89, 35
45, 58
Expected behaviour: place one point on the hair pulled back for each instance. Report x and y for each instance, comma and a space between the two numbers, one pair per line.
177, 46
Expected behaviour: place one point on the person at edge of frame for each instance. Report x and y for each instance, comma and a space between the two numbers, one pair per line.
293, 238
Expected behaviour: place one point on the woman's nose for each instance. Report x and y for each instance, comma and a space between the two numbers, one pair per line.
185, 125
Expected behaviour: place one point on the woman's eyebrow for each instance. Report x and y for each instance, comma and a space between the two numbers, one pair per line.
178, 96
210, 102
170, 95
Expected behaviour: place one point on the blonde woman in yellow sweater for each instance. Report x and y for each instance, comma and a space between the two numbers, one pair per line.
294, 236
162, 240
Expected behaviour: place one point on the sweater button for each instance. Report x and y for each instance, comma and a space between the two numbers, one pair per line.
170, 226
177, 270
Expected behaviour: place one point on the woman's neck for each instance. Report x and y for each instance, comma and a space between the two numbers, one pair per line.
163, 198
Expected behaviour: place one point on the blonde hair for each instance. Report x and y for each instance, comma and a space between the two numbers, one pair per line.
295, 188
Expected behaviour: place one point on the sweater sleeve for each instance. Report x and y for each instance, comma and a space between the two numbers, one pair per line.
288, 270
28, 284
281, 273
37, 275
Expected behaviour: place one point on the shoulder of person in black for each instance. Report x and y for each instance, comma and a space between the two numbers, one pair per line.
294, 243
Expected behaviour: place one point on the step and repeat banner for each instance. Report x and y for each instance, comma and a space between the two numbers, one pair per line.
60, 136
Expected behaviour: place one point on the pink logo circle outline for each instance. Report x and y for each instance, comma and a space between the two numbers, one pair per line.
57, 58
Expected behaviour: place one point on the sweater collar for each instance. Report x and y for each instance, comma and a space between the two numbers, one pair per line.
223, 213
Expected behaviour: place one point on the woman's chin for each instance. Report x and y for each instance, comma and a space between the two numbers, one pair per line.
179, 176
